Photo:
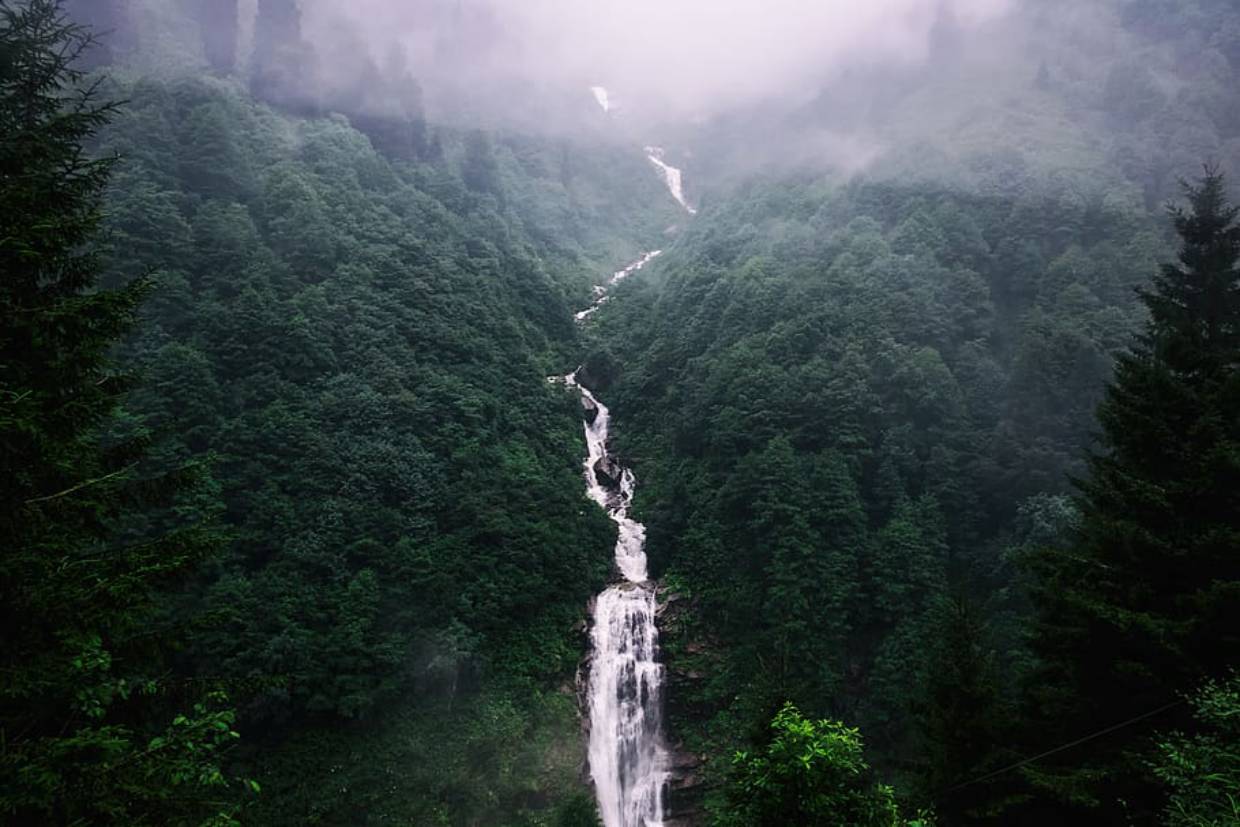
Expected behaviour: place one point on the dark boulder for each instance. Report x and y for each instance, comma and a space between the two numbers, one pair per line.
589, 408
607, 471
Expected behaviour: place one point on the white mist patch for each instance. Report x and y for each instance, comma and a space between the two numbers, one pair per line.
677, 62
705, 56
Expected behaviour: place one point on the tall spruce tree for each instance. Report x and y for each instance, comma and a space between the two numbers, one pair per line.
90, 722
1145, 604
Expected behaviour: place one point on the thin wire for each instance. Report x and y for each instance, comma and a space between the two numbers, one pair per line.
1068, 745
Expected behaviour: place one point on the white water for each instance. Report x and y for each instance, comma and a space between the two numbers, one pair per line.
628, 761
671, 177
601, 95
600, 291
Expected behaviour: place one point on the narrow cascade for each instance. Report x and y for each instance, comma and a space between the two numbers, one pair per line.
628, 761
600, 291
603, 97
671, 177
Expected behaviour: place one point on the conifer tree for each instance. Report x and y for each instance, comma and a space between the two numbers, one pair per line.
961, 715
89, 730
1146, 602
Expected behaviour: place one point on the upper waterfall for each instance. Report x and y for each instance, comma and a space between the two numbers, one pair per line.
602, 96
671, 177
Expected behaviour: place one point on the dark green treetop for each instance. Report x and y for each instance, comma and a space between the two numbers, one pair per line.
1146, 602
89, 727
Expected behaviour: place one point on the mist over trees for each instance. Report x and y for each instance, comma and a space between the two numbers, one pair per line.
932, 403
221, 31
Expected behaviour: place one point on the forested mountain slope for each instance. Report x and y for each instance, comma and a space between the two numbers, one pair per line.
1113, 100
932, 405
850, 403
361, 346
857, 401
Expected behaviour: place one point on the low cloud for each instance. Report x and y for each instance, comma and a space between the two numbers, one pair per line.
679, 58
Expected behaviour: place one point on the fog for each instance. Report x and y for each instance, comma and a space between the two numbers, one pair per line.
916, 87
691, 59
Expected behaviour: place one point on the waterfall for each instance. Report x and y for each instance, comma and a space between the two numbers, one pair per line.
600, 291
603, 98
671, 177
628, 761
628, 757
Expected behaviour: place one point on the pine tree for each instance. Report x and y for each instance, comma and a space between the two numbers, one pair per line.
89, 731
479, 169
961, 715
1146, 602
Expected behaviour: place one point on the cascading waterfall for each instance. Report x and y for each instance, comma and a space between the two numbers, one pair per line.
600, 291
603, 97
628, 761
628, 758
670, 174
671, 177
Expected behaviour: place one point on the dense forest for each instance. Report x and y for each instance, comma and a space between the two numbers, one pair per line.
348, 352
866, 411
939, 450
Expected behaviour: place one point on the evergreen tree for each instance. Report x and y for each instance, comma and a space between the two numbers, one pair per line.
89, 729
1146, 602
961, 715
479, 169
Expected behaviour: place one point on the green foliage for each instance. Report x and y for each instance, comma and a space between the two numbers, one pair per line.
361, 344
88, 707
939, 330
810, 773
1202, 771
834, 396
504, 756
847, 400
1151, 577
964, 720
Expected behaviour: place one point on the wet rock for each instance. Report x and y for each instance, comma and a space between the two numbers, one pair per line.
587, 378
607, 471
682, 797
589, 408
687, 659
